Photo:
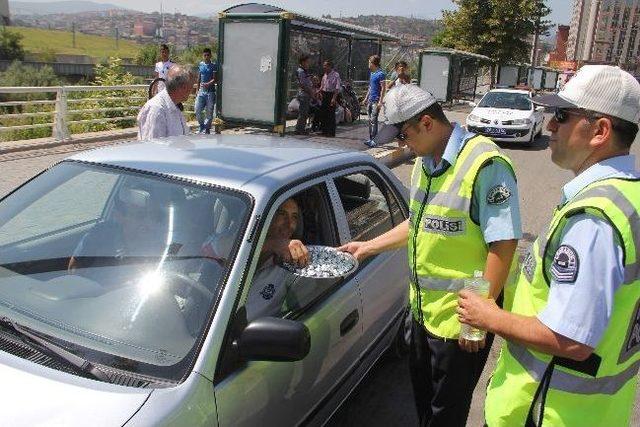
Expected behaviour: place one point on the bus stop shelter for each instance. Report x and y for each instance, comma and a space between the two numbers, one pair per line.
258, 51
511, 75
453, 74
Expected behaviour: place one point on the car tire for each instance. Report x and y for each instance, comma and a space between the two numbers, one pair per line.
539, 134
402, 341
533, 137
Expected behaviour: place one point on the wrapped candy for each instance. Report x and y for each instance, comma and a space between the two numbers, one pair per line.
325, 262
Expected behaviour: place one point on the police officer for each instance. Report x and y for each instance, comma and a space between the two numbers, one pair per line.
573, 330
464, 216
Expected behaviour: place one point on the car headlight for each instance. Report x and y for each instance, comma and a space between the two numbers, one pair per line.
522, 122
473, 118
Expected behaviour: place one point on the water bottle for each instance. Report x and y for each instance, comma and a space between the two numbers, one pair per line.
480, 286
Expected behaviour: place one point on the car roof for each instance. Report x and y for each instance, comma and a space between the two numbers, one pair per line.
240, 161
524, 91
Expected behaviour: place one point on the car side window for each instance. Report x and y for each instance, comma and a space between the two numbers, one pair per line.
366, 205
301, 220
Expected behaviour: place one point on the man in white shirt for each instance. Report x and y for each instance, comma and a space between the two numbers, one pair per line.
160, 116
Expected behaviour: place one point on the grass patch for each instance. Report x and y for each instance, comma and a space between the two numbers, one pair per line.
40, 41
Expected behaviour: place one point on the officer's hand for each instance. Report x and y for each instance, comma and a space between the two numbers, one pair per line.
471, 346
476, 310
360, 250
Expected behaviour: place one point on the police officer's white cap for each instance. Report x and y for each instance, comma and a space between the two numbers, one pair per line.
405, 101
603, 89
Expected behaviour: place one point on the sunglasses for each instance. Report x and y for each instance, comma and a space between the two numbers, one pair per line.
402, 136
562, 115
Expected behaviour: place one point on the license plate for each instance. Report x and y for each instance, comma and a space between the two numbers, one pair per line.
496, 131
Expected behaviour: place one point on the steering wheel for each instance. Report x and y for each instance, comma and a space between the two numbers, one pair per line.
193, 307
182, 283
156, 85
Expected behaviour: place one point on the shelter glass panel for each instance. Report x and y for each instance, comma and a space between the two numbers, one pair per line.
249, 69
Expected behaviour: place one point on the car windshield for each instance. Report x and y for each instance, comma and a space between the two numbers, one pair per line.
511, 100
119, 265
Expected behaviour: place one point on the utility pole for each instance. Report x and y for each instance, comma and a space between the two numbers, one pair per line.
534, 49
117, 38
73, 33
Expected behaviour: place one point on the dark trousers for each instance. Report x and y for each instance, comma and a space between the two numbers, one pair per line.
328, 116
303, 112
443, 377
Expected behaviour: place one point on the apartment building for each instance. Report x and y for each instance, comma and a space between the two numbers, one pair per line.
605, 31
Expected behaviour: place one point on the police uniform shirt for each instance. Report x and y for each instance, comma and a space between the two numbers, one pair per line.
495, 195
587, 265
268, 291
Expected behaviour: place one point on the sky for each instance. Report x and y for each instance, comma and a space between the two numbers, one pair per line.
418, 8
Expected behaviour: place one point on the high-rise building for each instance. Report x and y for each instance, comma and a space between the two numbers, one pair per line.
604, 31
4, 12
560, 52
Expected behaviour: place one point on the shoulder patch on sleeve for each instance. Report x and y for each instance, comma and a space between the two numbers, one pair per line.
565, 265
498, 195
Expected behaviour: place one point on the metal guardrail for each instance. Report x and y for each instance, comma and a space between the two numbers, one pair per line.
85, 70
119, 104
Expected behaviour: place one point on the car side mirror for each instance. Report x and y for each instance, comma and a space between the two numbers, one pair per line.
473, 105
274, 339
540, 109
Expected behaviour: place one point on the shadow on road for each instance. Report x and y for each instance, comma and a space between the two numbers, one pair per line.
539, 144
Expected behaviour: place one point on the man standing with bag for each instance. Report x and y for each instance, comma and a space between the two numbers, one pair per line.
464, 216
572, 331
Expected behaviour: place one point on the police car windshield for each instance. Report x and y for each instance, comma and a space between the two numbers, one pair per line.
510, 100
123, 266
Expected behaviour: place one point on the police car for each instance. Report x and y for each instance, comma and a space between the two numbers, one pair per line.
507, 115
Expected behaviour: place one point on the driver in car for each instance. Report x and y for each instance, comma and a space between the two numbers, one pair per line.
271, 281
128, 233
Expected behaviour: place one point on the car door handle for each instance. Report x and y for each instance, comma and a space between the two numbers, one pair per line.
349, 322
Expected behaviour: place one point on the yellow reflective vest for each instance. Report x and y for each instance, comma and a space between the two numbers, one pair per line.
445, 244
532, 388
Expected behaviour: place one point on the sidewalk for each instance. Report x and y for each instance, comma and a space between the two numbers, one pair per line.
347, 137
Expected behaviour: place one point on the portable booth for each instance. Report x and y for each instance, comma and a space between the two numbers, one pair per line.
535, 79
550, 79
510, 75
452, 74
258, 51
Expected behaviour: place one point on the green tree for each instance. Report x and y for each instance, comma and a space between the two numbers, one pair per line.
105, 109
148, 54
193, 55
10, 45
498, 29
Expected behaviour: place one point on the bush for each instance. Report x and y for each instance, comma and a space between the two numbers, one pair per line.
19, 74
10, 45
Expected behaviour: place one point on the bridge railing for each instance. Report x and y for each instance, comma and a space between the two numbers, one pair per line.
62, 111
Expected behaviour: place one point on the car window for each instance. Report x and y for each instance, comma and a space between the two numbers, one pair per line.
366, 206
512, 100
274, 290
134, 288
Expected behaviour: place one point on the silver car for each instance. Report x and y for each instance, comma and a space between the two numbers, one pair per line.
137, 288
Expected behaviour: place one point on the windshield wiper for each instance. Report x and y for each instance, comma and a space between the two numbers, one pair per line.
54, 350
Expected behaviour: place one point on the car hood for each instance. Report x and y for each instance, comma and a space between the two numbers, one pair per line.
501, 113
33, 395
